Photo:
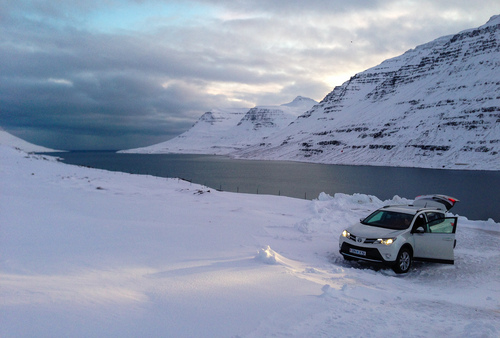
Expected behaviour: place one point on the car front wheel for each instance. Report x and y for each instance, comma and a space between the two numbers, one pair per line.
403, 262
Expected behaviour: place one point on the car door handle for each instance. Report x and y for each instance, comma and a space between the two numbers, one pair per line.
447, 239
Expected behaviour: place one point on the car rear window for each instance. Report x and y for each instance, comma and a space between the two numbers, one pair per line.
389, 220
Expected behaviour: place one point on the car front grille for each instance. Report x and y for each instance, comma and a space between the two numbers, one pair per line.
372, 254
361, 240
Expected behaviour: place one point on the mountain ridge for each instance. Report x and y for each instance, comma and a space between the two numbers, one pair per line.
224, 131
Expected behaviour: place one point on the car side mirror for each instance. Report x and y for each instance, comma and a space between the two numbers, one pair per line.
419, 230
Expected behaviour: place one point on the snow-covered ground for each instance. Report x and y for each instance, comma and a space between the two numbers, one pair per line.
86, 252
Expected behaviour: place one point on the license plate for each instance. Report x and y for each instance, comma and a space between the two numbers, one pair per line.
357, 252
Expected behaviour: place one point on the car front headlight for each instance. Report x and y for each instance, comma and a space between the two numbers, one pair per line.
385, 241
346, 233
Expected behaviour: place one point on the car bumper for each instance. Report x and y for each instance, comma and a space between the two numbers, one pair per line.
366, 254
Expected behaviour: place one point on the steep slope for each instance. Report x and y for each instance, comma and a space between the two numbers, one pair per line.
222, 131
436, 106
12, 141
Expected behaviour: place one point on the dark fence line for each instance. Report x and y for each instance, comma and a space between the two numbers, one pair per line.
251, 192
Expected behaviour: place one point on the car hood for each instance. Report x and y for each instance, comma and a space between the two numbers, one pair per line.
368, 231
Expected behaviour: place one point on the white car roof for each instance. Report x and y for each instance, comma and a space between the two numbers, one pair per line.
408, 209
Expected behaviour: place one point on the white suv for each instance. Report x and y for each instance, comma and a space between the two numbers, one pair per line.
395, 235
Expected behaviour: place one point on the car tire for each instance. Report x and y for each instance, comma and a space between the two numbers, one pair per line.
403, 262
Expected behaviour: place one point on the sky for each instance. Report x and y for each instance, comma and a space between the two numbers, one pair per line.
120, 74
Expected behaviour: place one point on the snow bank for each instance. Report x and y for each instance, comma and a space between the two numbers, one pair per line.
87, 252
267, 255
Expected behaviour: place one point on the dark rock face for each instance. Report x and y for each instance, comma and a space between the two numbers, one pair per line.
262, 117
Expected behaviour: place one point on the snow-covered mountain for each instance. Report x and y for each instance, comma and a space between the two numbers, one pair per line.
223, 131
435, 106
12, 141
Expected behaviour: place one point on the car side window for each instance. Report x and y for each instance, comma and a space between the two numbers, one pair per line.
432, 216
442, 226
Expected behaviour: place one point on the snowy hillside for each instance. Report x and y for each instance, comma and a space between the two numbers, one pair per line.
224, 131
435, 106
92, 253
15, 142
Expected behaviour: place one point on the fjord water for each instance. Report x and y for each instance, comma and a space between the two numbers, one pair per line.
477, 190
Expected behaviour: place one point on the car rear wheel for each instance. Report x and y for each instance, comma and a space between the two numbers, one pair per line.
403, 262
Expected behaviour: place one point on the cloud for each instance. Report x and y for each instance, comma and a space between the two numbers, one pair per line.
121, 74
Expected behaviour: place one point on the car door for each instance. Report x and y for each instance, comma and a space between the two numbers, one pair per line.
438, 240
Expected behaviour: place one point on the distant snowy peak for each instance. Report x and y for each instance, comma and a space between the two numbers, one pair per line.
494, 20
221, 117
205, 132
276, 116
223, 131
301, 102
263, 118
208, 117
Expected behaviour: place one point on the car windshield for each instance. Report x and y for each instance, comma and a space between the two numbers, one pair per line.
389, 220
